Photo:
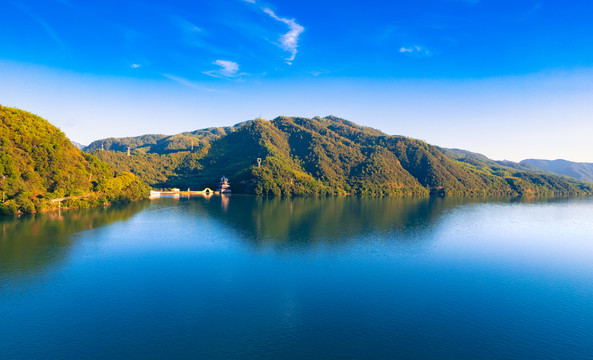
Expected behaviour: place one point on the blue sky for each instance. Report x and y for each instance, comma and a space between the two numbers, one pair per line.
510, 79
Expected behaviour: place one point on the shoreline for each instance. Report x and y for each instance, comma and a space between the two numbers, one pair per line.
205, 192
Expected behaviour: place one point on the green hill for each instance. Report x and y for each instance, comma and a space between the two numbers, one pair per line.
319, 156
39, 164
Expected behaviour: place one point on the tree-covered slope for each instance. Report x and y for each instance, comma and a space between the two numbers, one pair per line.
38, 163
329, 155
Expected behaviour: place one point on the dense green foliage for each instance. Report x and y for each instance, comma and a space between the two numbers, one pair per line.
39, 164
320, 156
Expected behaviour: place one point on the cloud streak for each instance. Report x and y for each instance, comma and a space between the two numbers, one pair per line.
186, 82
48, 29
415, 50
290, 40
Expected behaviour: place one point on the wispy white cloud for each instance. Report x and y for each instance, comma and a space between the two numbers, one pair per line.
290, 40
250, 1
415, 50
135, 66
186, 82
228, 69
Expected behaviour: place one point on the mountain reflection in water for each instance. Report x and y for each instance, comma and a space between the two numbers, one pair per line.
31, 243
299, 221
243, 277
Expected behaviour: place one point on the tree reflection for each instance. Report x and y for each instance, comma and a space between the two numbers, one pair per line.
30, 244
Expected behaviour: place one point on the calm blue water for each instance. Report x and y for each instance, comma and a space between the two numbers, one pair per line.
248, 278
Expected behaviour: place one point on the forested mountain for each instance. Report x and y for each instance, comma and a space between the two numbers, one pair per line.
38, 164
580, 171
328, 155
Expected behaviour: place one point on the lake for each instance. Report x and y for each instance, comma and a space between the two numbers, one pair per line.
242, 277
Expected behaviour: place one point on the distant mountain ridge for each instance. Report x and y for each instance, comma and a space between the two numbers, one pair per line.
165, 144
581, 171
302, 156
576, 170
78, 145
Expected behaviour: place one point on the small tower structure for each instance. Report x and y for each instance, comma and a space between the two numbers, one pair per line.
223, 186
